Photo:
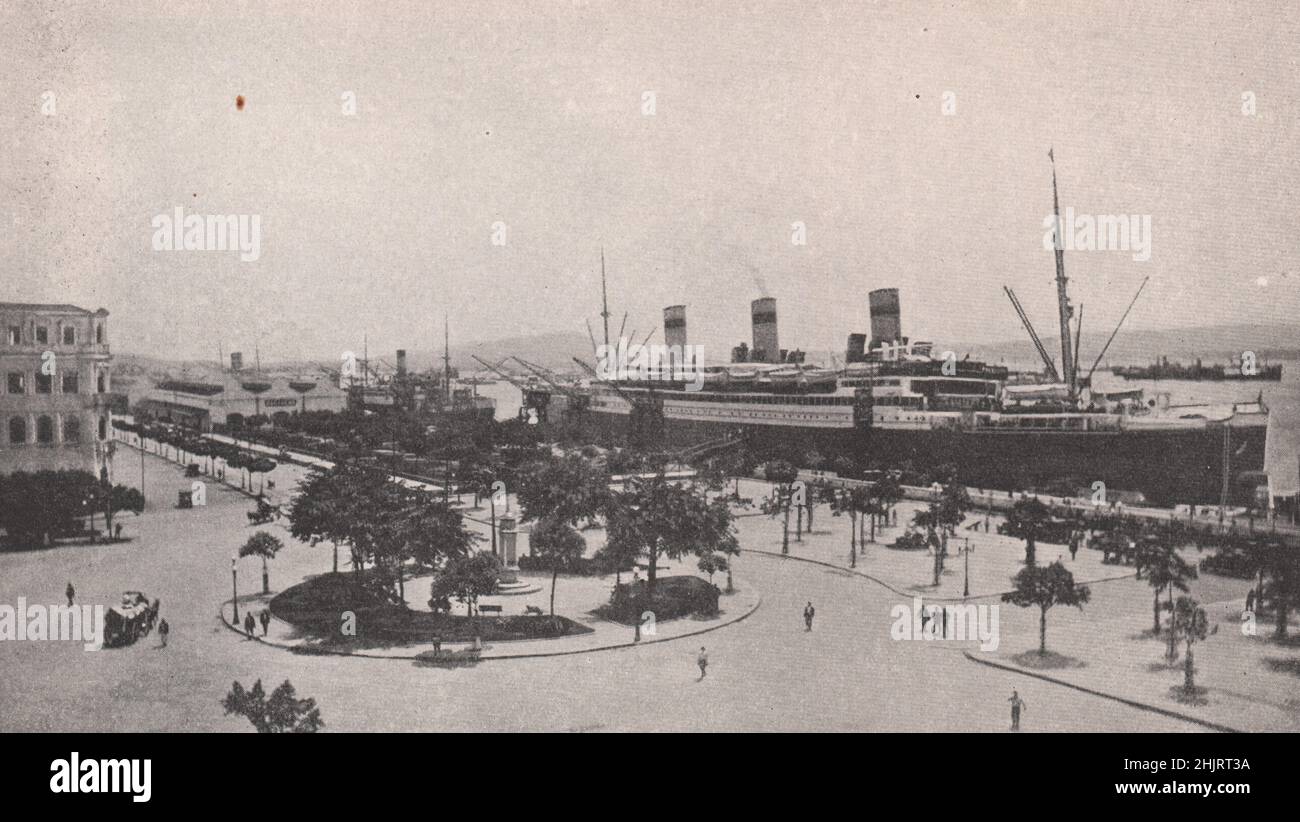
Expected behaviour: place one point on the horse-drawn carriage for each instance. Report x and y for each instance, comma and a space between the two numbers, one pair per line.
265, 512
132, 619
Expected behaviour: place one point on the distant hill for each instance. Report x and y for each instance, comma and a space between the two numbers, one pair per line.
555, 351
1213, 344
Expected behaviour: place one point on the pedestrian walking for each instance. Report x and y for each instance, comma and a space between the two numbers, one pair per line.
1016, 705
808, 613
117, 531
70, 592
250, 624
265, 619
703, 661
1250, 600
1074, 544
163, 630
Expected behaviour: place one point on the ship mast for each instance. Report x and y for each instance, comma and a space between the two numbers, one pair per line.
604, 298
446, 358
1062, 294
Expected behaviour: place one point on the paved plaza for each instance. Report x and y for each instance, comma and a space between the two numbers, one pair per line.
845, 674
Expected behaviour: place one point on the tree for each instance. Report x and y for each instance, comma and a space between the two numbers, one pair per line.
569, 488
426, 530
282, 713
315, 512
266, 546
712, 564
119, 498
624, 542
467, 578
34, 506
1027, 520
1165, 571
670, 519
783, 475
886, 492
1190, 624
853, 502
559, 545
1046, 587
1283, 588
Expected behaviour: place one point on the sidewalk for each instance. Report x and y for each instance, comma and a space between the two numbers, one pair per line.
1253, 682
993, 562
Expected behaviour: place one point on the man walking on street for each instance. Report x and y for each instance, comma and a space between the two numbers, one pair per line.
808, 613
703, 661
1016, 704
163, 630
265, 618
249, 624
70, 592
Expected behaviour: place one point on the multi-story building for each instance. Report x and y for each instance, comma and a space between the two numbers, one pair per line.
54, 399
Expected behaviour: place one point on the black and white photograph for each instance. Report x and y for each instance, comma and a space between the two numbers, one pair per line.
656, 367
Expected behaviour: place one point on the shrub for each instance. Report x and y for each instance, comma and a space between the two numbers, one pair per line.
597, 566
674, 597
911, 541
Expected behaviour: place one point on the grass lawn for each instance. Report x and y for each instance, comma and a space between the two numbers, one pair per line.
317, 606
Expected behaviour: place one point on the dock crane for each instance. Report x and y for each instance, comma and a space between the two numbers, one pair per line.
496, 369
548, 377
646, 419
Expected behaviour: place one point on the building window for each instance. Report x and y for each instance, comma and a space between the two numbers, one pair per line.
69, 335
17, 430
17, 385
103, 428
99, 333
70, 383
72, 430
15, 334
44, 383
44, 429
101, 383
42, 334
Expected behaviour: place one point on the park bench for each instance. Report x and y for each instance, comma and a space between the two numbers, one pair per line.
489, 609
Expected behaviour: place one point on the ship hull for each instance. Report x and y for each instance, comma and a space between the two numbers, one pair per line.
1165, 466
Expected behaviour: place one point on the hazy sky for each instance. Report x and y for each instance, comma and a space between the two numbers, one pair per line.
531, 114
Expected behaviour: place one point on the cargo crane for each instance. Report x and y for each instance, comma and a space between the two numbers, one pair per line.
646, 419
1033, 335
549, 377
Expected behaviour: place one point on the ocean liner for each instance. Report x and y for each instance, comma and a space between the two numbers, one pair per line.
893, 402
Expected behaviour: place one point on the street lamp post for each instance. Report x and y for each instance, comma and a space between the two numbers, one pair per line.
234, 587
966, 586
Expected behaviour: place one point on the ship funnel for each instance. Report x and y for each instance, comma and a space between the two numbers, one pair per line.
886, 326
855, 351
401, 362
763, 314
675, 325
236, 361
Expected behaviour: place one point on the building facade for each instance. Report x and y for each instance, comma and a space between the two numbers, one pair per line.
56, 396
237, 397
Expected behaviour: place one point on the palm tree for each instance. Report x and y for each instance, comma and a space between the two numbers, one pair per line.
783, 475
1165, 571
1190, 624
